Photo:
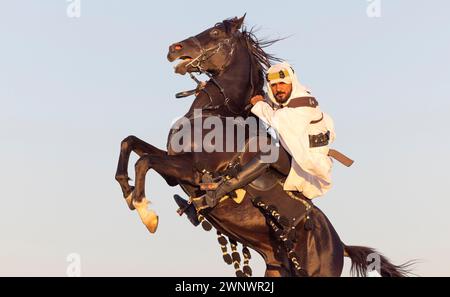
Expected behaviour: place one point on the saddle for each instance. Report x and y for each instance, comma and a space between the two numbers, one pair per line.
287, 211
285, 214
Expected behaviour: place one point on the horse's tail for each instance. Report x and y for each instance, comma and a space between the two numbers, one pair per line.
362, 257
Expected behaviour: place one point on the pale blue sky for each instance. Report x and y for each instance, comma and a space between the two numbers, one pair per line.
72, 89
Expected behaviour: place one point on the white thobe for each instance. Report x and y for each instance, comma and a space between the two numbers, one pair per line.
311, 167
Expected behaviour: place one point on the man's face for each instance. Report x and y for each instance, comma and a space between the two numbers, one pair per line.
281, 91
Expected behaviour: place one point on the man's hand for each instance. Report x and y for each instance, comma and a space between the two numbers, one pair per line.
256, 99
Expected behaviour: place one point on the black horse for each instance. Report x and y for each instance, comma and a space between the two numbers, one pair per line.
236, 62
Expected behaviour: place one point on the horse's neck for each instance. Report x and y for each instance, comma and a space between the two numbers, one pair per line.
236, 80
237, 76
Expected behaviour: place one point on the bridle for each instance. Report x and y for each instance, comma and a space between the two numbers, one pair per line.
205, 55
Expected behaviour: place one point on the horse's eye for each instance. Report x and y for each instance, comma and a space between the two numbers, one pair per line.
215, 32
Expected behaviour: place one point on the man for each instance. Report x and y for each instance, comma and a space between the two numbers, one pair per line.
304, 131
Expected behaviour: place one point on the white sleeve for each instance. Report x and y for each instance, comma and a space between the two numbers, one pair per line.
297, 118
292, 126
265, 112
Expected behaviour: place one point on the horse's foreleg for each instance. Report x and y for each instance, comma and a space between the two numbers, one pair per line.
128, 145
179, 167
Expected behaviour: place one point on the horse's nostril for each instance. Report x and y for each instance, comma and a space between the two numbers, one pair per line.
177, 47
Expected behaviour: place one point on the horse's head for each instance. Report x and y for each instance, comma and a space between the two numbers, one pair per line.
208, 51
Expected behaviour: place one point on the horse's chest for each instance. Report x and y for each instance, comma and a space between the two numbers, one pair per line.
208, 145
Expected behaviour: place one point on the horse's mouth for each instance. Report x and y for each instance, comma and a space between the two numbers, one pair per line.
182, 67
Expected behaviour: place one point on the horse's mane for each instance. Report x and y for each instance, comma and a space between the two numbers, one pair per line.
256, 46
260, 58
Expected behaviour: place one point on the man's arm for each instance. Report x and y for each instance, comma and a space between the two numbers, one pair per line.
292, 124
265, 112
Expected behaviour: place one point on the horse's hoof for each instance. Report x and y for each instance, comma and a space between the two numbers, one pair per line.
151, 221
129, 201
148, 217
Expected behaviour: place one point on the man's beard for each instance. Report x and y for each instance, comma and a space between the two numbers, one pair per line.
282, 97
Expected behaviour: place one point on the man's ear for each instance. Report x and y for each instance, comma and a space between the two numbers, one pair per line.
236, 23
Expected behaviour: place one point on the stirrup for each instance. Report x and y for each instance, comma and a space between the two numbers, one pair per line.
210, 185
185, 207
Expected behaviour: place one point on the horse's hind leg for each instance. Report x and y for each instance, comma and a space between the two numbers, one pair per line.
128, 145
324, 255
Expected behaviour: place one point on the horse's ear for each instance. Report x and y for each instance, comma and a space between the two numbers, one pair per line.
237, 23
